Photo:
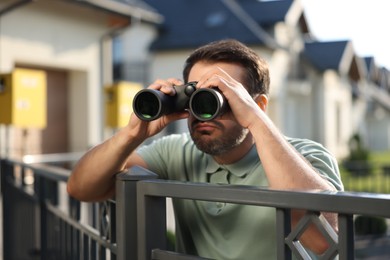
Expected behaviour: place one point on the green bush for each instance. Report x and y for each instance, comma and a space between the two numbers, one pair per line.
171, 239
358, 151
367, 225
376, 182
357, 163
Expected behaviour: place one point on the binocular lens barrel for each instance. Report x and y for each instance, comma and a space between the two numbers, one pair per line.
206, 104
150, 104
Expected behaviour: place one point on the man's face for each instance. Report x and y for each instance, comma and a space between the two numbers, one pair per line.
223, 133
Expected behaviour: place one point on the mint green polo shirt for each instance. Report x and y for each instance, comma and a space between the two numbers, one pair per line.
222, 230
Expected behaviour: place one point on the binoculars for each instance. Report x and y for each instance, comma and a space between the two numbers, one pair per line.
204, 104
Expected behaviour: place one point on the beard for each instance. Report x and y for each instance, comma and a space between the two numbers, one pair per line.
229, 139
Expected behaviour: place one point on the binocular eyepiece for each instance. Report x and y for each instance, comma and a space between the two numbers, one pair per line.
204, 104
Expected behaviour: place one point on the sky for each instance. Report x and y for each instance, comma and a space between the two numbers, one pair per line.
365, 22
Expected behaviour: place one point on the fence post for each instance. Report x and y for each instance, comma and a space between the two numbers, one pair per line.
346, 237
6, 171
283, 228
126, 211
152, 224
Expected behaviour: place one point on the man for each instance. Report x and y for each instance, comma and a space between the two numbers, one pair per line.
242, 146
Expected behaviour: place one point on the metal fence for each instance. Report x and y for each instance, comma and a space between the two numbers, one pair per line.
40, 221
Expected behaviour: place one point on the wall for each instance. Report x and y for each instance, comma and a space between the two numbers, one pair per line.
338, 119
59, 35
133, 52
378, 128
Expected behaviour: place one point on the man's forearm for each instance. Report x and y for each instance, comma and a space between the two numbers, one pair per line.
284, 166
93, 177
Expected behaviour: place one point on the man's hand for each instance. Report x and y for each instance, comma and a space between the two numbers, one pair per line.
141, 129
242, 105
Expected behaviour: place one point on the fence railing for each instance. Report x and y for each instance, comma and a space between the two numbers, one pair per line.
40, 221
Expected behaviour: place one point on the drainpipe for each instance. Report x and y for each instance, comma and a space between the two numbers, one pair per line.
106, 76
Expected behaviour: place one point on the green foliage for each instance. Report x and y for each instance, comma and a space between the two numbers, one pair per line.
366, 225
171, 239
357, 150
357, 163
376, 182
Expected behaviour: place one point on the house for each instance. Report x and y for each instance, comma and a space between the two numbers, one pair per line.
338, 78
315, 86
70, 40
378, 106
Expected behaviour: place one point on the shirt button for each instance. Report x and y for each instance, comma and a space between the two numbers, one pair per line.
220, 205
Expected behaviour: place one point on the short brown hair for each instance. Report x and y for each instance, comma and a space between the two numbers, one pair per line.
232, 51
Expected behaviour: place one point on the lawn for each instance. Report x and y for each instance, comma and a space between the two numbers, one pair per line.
377, 181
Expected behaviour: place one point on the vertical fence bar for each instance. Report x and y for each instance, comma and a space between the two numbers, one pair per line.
75, 213
85, 247
20, 223
346, 237
126, 211
41, 192
94, 248
283, 228
6, 174
113, 238
152, 231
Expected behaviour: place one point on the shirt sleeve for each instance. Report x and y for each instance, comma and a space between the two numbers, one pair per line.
163, 154
321, 159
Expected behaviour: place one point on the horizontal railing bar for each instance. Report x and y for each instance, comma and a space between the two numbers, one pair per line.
89, 231
50, 172
341, 202
52, 157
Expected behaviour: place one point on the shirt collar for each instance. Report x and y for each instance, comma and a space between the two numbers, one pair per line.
239, 168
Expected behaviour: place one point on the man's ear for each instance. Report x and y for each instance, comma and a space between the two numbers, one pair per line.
262, 102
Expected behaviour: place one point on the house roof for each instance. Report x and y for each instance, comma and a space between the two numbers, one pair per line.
136, 9
325, 55
126, 9
195, 22
369, 61
372, 69
336, 55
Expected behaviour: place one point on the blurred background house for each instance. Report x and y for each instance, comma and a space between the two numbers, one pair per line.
71, 41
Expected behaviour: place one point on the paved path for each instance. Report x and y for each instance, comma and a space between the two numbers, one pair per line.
373, 248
